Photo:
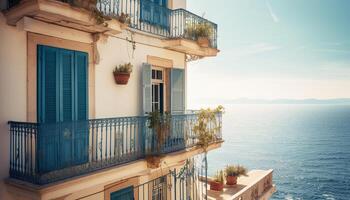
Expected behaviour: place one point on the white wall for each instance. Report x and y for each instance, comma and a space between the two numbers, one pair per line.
125, 100
13, 75
179, 4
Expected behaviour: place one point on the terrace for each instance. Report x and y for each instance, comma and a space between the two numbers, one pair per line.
176, 28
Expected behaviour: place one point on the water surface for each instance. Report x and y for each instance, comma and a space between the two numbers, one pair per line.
308, 146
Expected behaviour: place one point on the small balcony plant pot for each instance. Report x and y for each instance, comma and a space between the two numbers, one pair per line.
153, 162
121, 78
216, 186
231, 180
233, 172
203, 41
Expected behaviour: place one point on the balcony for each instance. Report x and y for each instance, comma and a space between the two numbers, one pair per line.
177, 28
46, 153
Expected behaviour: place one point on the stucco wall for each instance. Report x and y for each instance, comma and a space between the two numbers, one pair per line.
111, 100
12, 89
125, 100
178, 4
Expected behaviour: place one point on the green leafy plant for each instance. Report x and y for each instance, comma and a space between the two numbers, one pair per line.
197, 30
160, 123
123, 68
235, 170
207, 126
219, 177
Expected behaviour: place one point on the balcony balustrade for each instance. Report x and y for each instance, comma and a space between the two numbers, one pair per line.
151, 18
42, 153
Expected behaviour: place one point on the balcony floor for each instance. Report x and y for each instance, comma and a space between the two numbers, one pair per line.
246, 187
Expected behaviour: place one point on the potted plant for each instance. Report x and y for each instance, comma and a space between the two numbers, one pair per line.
217, 183
159, 123
233, 172
122, 73
124, 19
201, 32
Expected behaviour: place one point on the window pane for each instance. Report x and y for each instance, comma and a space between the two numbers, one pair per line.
159, 75
154, 74
157, 93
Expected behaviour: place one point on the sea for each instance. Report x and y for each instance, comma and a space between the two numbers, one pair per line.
308, 146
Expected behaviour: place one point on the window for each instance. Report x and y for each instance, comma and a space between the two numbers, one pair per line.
159, 191
124, 194
158, 89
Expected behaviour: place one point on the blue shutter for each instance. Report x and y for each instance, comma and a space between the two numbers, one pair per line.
48, 108
67, 85
81, 61
155, 12
177, 89
146, 88
66, 65
81, 127
62, 99
124, 194
48, 89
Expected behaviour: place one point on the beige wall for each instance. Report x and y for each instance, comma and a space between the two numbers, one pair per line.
12, 89
174, 4
125, 100
111, 100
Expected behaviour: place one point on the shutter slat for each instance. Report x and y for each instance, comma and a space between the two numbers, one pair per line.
81, 60
177, 89
147, 88
67, 67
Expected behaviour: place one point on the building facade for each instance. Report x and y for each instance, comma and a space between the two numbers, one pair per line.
67, 130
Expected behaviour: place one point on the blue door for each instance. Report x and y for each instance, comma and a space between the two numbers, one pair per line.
124, 194
62, 108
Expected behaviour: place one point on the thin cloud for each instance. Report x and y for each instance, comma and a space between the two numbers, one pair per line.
272, 13
332, 50
250, 50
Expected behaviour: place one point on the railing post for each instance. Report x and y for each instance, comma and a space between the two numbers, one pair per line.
143, 136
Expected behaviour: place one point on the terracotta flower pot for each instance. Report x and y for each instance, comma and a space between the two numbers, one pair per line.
153, 162
231, 180
121, 78
217, 186
203, 41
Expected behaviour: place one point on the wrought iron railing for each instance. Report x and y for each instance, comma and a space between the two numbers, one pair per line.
47, 152
153, 18
179, 184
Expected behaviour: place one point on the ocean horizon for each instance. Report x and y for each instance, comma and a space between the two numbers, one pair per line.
308, 146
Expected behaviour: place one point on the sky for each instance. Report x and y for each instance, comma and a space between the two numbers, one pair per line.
273, 49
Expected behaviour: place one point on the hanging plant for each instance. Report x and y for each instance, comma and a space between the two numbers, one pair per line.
122, 73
